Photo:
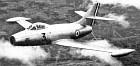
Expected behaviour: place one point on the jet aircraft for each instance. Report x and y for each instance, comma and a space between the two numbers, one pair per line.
38, 33
43, 34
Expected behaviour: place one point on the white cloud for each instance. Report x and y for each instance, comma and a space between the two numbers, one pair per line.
25, 54
119, 19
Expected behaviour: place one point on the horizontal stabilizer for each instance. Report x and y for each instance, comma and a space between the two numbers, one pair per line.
81, 13
99, 18
20, 20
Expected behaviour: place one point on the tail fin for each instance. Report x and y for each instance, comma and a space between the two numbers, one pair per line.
91, 15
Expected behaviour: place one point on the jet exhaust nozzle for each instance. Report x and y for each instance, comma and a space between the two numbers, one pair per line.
122, 52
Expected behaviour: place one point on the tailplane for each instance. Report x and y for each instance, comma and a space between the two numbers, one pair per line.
89, 17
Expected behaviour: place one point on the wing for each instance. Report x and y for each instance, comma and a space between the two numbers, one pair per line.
101, 48
20, 20
75, 44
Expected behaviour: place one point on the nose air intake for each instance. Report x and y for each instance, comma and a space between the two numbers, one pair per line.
12, 40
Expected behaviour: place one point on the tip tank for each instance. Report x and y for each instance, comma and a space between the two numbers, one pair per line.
122, 52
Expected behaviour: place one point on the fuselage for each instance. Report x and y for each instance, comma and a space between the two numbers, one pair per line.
50, 33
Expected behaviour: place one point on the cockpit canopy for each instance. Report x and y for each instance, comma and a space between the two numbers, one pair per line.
37, 26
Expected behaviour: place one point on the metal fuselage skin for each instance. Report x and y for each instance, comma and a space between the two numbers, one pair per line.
49, 34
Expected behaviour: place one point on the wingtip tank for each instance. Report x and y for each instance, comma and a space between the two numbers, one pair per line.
122, 52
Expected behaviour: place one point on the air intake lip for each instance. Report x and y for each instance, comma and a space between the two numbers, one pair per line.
12, 40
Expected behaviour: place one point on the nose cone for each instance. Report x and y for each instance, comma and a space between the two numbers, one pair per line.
122, 52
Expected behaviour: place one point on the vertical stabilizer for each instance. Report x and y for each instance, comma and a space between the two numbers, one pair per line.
92, 11
89, 17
